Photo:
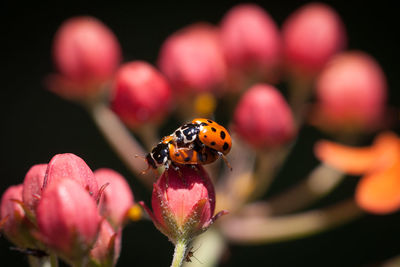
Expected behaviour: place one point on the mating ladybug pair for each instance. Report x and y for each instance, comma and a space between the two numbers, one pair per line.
202, 141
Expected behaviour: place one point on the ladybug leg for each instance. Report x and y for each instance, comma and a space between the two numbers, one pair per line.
148, 165
155, 172
225, 160
176, 168
194, 167
145, 170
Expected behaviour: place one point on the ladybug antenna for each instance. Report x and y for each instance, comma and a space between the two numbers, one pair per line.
225, 160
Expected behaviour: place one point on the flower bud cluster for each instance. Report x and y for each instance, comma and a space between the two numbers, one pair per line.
64, 208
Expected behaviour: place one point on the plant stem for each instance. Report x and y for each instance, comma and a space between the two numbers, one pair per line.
263, 229
121, 141
179, 253
319, 183
53, 260
265, 172
299, 94
148, 134
50, 261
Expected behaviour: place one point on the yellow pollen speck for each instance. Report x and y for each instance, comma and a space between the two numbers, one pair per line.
205, 104
135, 213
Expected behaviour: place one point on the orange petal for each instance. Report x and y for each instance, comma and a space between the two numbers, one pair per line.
347, 159
383, 153
387, 149
380, 192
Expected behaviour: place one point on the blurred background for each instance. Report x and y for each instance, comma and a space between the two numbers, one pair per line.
37, 124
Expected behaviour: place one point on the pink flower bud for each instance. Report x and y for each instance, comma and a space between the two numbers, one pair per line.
251, 40
183, 203
141, 94
263, 117
107, 248
70, 166
86, 54
117, 197
32, 187
351, 93
192, 59
311, 35
68, 219
13, 217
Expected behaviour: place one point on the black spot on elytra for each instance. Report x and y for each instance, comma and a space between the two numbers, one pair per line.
212, 143
176, 154
205, 136
210, 121
225, 146
203, 124
213, 129
187, 159
222, 134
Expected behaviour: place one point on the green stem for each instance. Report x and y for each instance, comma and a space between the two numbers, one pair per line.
264, 229
179, 253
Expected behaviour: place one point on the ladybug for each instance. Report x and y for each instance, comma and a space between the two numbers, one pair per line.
167, 152
206, 132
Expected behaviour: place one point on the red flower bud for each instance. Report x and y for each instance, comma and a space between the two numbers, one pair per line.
117, 197
32, 187
70, 166
192, 59
311, 35
263, 117
183, 203
107, 248
86, 54
351, 93
68, 219
15, 225
251, 40
141, 94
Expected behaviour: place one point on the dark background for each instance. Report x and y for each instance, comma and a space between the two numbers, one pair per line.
37, 124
